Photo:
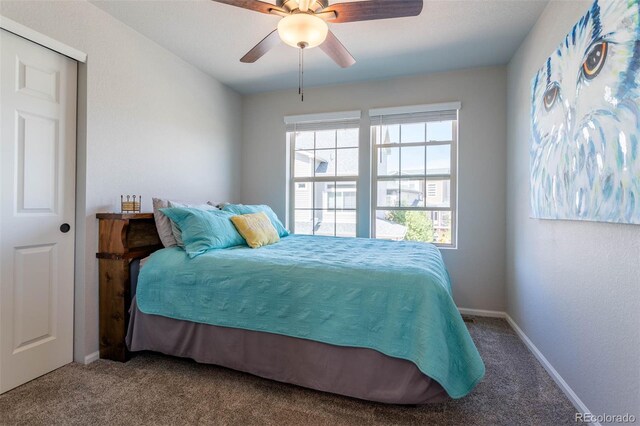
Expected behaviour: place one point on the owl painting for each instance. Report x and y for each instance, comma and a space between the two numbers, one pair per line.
585, 119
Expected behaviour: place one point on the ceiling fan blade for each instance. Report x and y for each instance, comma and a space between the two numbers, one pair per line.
336, 51
259, 50
256, 5
327, 16
375, 9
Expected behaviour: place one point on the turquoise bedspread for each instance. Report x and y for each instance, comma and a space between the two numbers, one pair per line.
394, 297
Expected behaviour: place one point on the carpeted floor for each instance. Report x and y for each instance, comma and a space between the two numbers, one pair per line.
153, 389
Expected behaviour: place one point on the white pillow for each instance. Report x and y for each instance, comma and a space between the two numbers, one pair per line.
163, 224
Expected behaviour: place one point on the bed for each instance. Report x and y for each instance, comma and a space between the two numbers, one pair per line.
364, 318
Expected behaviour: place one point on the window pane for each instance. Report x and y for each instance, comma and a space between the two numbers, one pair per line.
325, 164
388, 193
412, 160
347, 162
439, 160
414, 226
388, 161
390, 134
349, 199
303, 222
441, 227
348, 138
304, 140
304, 164
324, 222
324, 197
326, 139
345, 223
412, 132
345, 195
438, 193
304, 195
391, 225
440, 131
412, 193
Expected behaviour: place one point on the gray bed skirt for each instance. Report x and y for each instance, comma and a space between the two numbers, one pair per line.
355, 372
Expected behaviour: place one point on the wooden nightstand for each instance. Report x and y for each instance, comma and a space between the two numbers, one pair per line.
123, 237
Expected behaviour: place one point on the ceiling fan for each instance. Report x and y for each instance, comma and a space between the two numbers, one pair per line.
304, 24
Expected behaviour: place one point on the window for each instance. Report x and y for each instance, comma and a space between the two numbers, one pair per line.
411, 176
414, 175
324, 164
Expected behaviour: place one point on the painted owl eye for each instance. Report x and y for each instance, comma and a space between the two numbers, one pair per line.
551, 95
595, 60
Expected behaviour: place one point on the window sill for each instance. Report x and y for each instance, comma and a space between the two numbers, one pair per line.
446, 247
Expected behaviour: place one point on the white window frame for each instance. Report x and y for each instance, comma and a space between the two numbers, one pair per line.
375, 115
367, 182
318, 122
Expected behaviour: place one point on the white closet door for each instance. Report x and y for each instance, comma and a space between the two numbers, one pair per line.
37, 191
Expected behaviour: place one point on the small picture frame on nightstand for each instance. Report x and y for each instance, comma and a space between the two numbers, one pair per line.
130, 203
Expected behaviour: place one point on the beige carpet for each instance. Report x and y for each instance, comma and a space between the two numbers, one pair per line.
153, 389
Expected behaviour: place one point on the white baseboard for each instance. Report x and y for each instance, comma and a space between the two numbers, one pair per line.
482, 313
564, 386
92, 357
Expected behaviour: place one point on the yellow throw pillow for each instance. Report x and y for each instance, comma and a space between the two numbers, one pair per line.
256, 229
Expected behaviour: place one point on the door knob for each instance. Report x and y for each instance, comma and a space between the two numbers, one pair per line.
64, 228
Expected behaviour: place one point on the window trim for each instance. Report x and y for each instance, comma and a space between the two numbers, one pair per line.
453, 176
415, 109
321, 119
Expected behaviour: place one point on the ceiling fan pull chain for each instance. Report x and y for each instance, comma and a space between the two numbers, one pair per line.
299, 72
302, 75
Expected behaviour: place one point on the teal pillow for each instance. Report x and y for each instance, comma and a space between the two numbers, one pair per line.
242, 209
203, 230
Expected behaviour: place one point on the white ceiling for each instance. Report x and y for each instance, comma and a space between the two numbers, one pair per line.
449, 34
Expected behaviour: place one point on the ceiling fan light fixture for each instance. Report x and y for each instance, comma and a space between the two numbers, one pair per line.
302, 29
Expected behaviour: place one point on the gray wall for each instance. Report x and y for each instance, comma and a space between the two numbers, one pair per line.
477, 265
573, 287
150, 124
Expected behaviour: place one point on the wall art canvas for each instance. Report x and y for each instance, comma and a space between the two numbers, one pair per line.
585, 120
